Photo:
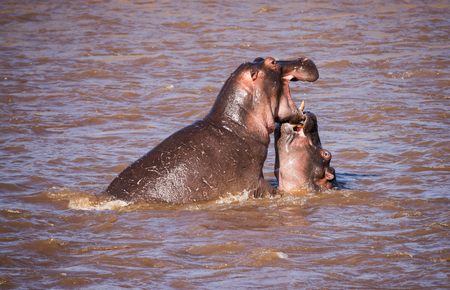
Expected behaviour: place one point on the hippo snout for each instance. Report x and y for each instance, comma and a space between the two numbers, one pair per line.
301, 69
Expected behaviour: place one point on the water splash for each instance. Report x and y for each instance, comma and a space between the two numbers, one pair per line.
234, 198
87, 204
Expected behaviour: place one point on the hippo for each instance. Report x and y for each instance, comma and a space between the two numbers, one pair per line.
224, 152
301, 162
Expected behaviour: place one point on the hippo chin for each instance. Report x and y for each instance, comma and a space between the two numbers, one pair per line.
224, 152
301, 162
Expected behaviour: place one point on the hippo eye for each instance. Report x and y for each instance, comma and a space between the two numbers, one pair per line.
274, 62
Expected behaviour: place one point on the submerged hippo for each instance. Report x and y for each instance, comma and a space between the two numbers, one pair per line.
301, 162
224, 152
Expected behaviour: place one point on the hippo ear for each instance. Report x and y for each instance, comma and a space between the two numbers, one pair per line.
329, 174
254, 73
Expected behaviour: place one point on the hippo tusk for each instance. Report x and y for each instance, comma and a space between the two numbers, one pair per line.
302, 106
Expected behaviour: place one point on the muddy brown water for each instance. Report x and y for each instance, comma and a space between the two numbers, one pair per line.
87, 87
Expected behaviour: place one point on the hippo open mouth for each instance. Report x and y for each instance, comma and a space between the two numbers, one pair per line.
304, 131
300, 159
302, 69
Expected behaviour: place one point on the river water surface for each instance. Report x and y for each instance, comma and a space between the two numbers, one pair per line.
87, 87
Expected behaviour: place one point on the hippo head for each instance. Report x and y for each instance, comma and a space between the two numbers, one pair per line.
301, 162
257, 94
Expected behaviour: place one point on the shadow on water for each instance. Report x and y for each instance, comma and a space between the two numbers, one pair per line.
345, 180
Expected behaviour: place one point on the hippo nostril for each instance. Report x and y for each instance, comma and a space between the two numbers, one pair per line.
325, 154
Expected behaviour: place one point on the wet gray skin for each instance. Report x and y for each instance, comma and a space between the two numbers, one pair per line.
301, 162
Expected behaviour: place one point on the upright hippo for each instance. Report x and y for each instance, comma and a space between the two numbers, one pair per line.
224, 152
301, 162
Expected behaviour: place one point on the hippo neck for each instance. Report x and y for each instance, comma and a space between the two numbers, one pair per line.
237, 129
232, 111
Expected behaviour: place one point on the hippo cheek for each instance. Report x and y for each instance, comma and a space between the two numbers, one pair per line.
269, 87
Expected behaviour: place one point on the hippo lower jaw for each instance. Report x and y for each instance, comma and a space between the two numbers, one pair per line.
294, 131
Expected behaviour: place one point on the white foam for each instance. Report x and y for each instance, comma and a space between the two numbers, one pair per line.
234, 198
85, 203
282, 255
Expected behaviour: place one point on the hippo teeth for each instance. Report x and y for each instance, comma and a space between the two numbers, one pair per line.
301, 108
